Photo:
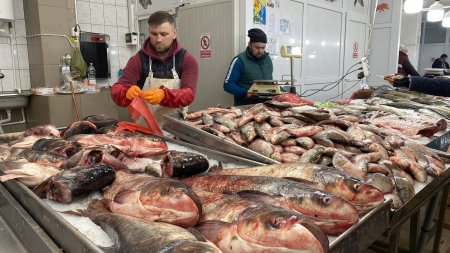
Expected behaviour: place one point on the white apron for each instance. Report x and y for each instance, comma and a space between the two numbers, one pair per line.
151, 82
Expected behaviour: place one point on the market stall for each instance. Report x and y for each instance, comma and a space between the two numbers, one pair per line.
191, 129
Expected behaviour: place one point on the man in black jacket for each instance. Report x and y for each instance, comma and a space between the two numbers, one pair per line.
441, 62
432, 86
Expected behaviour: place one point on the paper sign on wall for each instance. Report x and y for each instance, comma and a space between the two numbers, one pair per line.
205, 46
355, 50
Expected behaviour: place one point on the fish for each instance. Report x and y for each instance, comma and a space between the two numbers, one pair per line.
101, 120
288, 157
275, 121
357, 192
220, 128
207, 119
236, 137
93, 155
26, 142
30, 174
148, 165
40, 157
42, 130
154, 199
356, 133
106, 129
264, 116
224, 121
265, 148
342, 124
5, 152
292, 120
306, 131
341, 162
289, 142
329, 136
302, 119
56, 146
64, 186
210, 110
312, 155
132, 144
183, 164
263, 130
316, 114
305, 142
381, 182
134, 235
277, 137
414, 168
332, 214
241, 225
78, 127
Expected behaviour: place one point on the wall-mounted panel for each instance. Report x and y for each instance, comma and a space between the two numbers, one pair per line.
322, 43
383, 47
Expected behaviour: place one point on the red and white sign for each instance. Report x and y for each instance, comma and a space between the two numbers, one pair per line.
355, 50
205, 46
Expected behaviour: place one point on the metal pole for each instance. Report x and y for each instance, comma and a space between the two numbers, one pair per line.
292, 89
427, 224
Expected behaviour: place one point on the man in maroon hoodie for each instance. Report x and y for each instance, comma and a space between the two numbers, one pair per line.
162, 72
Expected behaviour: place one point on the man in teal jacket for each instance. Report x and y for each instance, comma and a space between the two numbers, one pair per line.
252, 64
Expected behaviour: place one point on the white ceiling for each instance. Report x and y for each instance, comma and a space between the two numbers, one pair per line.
427, 3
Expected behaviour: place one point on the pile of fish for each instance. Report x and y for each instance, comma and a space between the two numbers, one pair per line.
145, 195
336, 169
341, 138
405, 113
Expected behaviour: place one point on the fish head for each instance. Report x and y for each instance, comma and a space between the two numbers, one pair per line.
333, 214
276, 229
362, 196
174, 198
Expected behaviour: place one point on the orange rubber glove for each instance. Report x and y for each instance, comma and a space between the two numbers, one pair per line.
154, 96
133, 92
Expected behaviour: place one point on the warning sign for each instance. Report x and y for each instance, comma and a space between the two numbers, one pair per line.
205, 46
355, 50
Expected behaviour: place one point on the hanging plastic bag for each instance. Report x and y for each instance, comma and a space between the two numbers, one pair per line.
78, 67
138, 108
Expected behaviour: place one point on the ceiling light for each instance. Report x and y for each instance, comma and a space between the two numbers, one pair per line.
446, 20
413, 6
436, 12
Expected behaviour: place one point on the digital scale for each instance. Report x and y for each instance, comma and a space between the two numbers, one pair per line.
274, 87
291, 52
267, 87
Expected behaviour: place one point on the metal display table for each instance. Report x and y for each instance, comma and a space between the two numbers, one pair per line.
358, 237
430, 193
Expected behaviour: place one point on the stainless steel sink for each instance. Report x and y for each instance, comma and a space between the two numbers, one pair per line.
13, 100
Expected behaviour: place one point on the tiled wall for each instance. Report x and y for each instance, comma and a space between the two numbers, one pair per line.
21, 54
110, 17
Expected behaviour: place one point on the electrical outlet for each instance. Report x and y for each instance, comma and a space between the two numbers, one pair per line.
74, 33
365, 66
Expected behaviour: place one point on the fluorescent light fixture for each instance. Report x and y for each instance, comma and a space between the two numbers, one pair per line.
413, 6
436, 12
446, 20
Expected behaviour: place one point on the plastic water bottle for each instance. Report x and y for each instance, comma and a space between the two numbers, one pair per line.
91, 75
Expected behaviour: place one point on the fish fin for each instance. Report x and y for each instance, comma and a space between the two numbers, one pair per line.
303, 181
122, 197
40, 189
197, 234
211, 228
11, 176
256, 196
217, 167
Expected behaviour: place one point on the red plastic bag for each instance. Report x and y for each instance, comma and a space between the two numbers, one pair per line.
132, 127
138, 108
292, 98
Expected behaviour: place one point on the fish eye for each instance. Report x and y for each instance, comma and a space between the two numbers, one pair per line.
357, 186
326, 199
275, 223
